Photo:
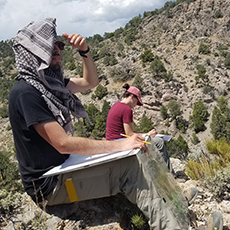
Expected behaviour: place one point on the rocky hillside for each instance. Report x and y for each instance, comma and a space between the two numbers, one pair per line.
184, 37
175, 35
176, 39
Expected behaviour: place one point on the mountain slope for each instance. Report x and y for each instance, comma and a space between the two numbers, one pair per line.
175, 36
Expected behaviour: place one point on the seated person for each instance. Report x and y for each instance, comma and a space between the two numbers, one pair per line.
40, 105
120, 121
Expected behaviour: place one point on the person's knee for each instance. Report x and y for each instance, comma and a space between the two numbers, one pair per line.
159, 142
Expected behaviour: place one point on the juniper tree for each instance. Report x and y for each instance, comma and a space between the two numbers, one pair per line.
145, 124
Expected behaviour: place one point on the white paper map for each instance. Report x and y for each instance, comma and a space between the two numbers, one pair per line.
165, 137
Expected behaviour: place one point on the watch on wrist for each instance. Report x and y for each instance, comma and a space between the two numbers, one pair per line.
83, 52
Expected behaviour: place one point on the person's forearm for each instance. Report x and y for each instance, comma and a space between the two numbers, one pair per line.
86, 146
56, 136
90, 71
90, 78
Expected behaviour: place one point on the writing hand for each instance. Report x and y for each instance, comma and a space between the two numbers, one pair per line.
152, 133
134, 142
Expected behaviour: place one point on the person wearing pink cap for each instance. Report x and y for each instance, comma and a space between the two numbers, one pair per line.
120, 121
120, 116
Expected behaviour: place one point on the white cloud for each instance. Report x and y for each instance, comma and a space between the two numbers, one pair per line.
87, 17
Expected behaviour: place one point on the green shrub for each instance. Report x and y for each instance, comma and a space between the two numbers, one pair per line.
72, 66
100, 92
201, 74
219, 184
6, 49
130, 37
157, 67
174, 109
194, 139
121, 74
199, 116
145, 124
10, 203
13, 75
218, 14
177, 147
182, 124
110, 60
207, 89
5, 87
118, 32
4, 111
204, 49
67, 55
105, 109
95, 54
92, 112
207, 166
99, 129
147, 56
222, 104
219, 126
138, 82
220, 147
81, 129
164, 112
9, 174
86, 92
185, 87
168, 76
208, 61
227, 61
222, 47
201, 168
138, 221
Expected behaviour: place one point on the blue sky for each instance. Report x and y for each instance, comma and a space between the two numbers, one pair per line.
86, 17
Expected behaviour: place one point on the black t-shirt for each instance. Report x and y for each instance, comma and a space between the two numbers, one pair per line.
35, 155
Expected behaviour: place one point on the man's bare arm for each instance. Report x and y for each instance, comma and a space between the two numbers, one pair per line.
54, 134
90, 78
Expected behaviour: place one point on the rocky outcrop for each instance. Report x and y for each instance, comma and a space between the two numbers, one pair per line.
114, 212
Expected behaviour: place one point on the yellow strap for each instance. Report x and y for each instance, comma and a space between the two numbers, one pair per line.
71, 190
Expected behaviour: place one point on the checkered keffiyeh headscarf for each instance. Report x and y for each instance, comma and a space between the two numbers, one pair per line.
33, 47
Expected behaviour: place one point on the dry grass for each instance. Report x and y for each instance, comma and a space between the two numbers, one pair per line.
204, 167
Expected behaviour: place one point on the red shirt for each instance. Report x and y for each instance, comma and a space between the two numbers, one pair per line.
119, 114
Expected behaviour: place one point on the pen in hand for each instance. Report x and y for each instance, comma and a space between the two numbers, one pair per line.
124, 135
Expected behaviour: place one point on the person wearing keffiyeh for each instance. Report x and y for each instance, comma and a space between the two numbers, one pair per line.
40, 108
41, 105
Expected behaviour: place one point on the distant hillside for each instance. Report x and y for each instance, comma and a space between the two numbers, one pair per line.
191, 42
176, 53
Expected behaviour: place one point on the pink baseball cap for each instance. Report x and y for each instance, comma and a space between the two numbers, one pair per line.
135, 91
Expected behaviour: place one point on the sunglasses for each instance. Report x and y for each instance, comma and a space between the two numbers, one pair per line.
60, 45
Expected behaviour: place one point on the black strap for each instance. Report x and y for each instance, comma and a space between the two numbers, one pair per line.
82, 53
